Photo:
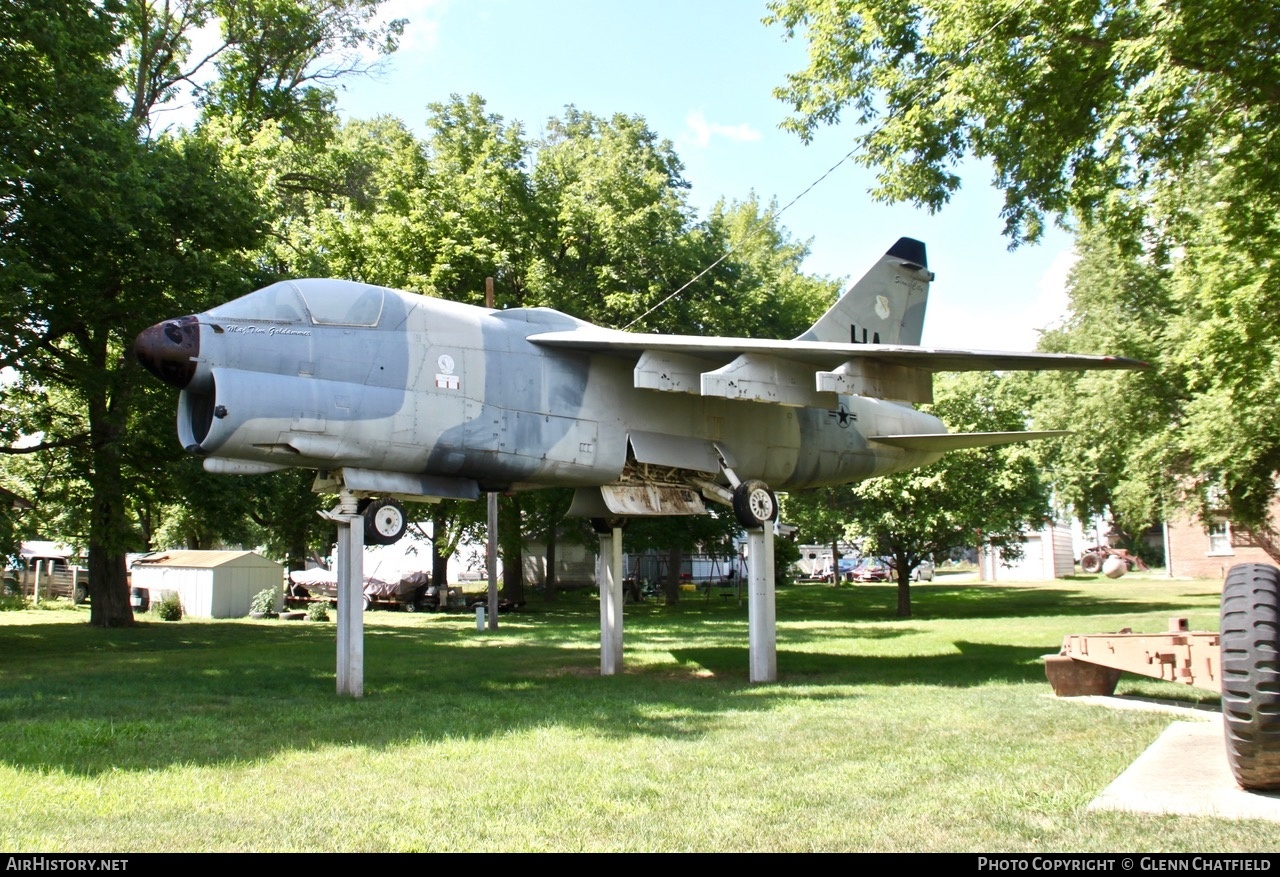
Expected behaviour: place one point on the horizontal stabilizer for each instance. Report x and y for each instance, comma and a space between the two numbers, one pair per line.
955, 441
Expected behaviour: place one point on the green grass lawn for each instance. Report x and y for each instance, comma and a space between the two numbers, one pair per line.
937, 732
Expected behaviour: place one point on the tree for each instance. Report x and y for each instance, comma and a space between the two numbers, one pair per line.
984, 496
108, 230
712, 534
822, 516
599, 226
1079, 107
1154, 127
1199, 429
1121, 456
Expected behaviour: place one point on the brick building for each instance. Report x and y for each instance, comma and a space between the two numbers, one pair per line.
1208, 549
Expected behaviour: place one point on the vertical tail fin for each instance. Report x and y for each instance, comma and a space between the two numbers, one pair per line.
886, 306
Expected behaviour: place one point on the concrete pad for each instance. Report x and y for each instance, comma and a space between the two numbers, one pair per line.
1185, 773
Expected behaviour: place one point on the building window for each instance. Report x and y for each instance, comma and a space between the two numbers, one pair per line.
1220, 538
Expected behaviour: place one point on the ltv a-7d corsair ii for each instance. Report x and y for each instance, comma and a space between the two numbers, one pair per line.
393, 395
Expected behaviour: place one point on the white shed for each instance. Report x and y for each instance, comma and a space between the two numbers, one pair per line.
211, 584
1046, 554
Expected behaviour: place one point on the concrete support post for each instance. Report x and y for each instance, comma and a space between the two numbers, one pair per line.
350, 604
762, 617
609, 582
491, 560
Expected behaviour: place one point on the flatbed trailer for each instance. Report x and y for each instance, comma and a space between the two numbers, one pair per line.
1240, 661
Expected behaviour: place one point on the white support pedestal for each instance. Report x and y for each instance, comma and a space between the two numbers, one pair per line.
609, 582
762, 617
350, 603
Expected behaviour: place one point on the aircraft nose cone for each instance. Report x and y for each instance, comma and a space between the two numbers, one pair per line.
167, 350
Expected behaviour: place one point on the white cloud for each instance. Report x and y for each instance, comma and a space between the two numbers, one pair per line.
699, 131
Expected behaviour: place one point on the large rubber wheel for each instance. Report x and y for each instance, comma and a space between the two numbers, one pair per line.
384, 522
1090, 562
604, 526
1250, 635
754, 504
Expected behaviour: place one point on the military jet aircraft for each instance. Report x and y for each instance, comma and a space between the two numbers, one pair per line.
394, 395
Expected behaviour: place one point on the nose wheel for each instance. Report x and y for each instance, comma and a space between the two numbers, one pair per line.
384, 521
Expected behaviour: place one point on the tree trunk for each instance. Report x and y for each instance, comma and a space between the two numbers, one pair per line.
439, 560
904, 592
835, 562
671, 587
511, 546
109, 530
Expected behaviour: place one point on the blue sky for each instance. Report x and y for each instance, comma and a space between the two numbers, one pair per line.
701, 73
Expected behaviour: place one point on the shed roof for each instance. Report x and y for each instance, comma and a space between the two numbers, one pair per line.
200, 559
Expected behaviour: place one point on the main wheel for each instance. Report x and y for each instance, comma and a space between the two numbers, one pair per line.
604, 526
1090, 562
1250, 636
384, 522
754, 504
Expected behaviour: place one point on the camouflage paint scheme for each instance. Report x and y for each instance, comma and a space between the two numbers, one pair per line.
400, 394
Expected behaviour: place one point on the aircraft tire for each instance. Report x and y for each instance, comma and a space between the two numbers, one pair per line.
1250, 637
385, 521
604, 526
754, 504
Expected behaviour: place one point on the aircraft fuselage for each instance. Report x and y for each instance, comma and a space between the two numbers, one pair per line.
330, 375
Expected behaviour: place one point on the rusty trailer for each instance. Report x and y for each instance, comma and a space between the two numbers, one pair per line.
1241, 662
1191, 657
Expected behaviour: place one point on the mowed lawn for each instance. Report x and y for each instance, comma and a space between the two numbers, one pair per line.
936, 732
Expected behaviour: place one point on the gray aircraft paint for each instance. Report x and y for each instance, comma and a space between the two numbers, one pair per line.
416, 396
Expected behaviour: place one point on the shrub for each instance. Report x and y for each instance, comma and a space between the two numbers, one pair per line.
317, 611
12, 602
264, 602
168, 607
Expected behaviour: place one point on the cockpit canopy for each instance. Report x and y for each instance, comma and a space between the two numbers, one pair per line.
319, 302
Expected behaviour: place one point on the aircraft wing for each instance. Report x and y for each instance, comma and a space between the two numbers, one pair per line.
934, 359
803, 373
956, 441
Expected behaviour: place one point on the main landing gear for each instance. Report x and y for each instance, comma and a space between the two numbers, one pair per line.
754, 504
385, 520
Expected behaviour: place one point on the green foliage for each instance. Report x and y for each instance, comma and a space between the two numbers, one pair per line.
1199, 430
1154, 126
110, 229
785, 555
984, 496
317, 611
12, 602
1121, 456
264, 601
1079, 107
168, 607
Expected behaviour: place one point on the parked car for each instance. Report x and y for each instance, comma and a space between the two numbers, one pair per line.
846, 566
873, 569
923, 571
